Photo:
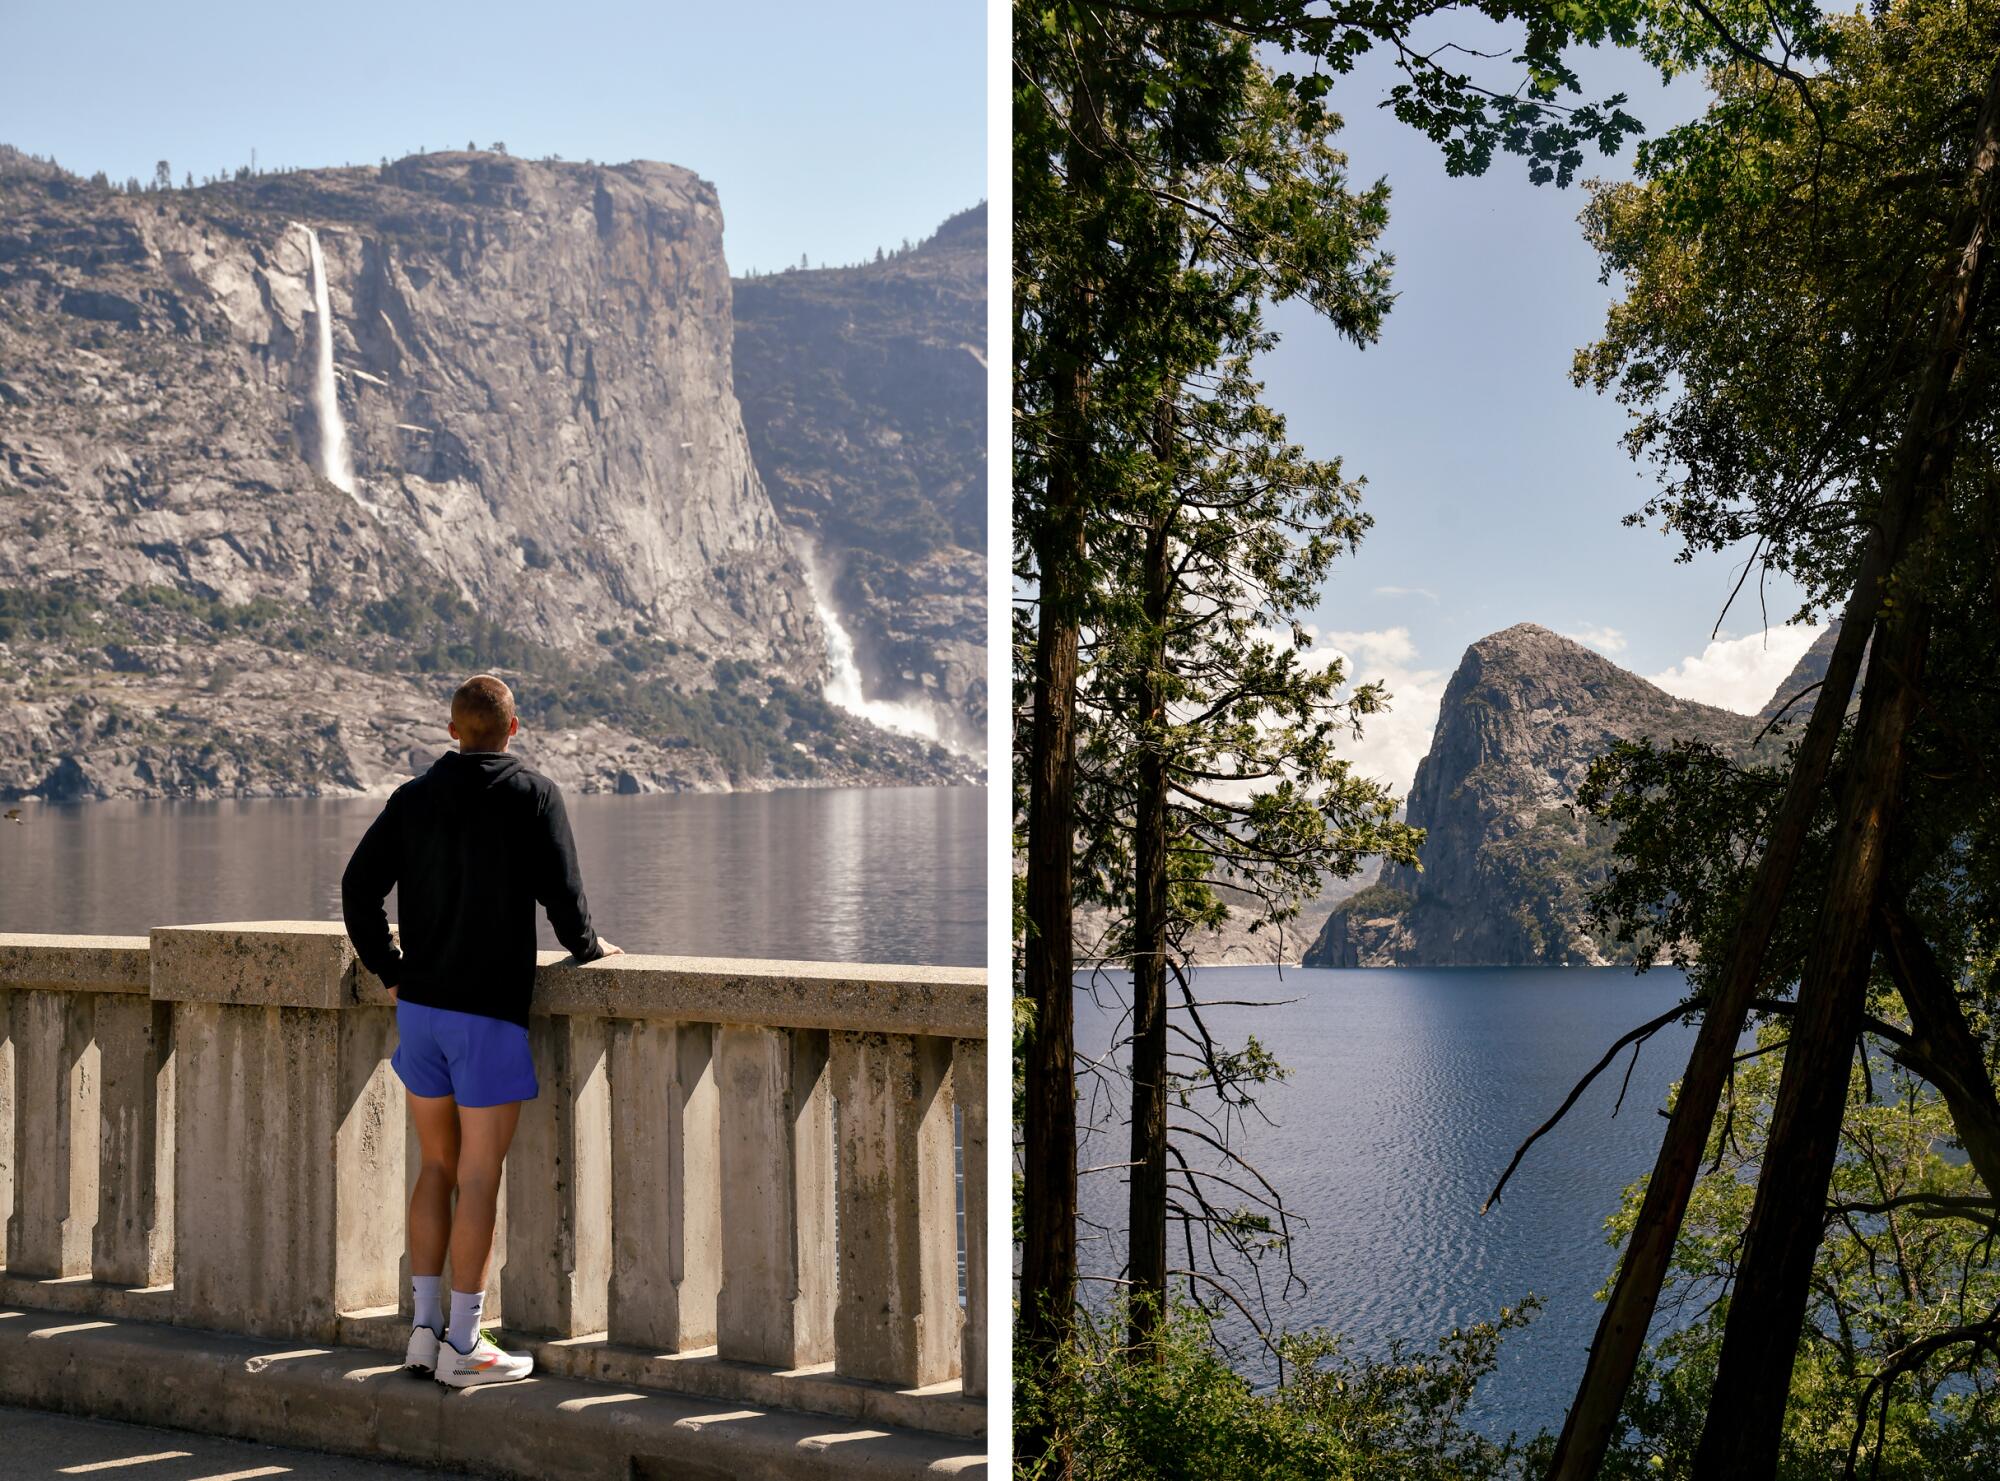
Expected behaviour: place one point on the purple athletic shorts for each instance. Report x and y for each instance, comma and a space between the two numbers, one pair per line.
478, 1061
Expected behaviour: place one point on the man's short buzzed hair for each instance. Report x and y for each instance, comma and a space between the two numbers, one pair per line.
483, 711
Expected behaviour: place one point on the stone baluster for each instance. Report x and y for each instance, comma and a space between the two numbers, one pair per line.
134, 1242
776, 1301
6, 1120
559, 1184
968, 1070
56, 1086
898, 1318
288, 1145
666, 1216
215, 1108
59, 996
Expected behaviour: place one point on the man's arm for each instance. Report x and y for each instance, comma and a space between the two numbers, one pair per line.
559, 883
370, 875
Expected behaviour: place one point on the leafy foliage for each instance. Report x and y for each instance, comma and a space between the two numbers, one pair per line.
1186, 1415
1774, 254
1788, 353
1900, 1265
1205, 730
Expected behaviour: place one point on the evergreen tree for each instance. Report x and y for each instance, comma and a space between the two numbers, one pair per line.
1123, 121
1207, 741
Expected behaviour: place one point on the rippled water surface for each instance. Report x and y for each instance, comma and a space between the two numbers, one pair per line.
860, 875
1409, 1090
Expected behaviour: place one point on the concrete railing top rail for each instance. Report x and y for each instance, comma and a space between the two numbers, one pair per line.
76, 963
311, 964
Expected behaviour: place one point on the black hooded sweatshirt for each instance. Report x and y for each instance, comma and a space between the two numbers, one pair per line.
473, 844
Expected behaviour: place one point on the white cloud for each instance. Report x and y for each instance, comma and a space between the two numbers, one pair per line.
1739, 674
1387, 645
1392, 743
1603, 639
1407, 591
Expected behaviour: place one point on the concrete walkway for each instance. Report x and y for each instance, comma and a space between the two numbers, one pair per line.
361, 1401
34, 1444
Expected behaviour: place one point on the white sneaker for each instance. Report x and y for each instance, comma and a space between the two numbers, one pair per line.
484, 1364
422, 1353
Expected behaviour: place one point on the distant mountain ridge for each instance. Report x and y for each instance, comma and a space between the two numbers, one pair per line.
1793, 698
1508, 860
864, 394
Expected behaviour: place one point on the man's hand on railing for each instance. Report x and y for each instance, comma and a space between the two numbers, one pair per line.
605, 949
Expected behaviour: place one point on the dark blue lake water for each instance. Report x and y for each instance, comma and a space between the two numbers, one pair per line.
1409, 1090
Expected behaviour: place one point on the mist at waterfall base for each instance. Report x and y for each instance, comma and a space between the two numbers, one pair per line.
844, 690
1407, 1091
332, 461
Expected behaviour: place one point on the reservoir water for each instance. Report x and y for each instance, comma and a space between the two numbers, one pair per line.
852, 874
1409, 1090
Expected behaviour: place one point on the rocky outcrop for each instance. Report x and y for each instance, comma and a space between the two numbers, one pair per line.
1793, 699
533, 366
864, 391
1507, 859
1371, 929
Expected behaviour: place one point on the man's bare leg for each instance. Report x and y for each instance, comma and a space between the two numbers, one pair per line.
465, 1358
429, 1224
485, 1133
436, 1120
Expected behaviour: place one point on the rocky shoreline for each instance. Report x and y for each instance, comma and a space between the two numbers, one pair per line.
240, 721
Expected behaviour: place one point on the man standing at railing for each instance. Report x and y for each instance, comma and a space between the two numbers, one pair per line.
474, 844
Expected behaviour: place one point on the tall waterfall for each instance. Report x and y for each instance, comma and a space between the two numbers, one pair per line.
843, 686
334, 464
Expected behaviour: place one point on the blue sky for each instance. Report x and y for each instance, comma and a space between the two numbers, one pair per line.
1496, 486
829, 129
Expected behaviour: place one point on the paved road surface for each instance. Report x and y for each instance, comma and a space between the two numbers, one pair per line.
38, 1445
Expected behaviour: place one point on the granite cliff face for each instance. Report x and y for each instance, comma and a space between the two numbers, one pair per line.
1793, 699
1508, 860
532, 370
864, 391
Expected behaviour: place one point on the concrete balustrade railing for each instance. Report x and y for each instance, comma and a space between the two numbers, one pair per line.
733, 1165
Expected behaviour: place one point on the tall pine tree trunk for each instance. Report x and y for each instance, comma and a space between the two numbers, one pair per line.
1621, 1331
1914, 481
1746, 1408
1048, 1132
1048, 1114
1147, 1220
1767, 1304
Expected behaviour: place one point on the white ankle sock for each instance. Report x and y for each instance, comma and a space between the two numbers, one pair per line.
463, 1333
428, 1312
